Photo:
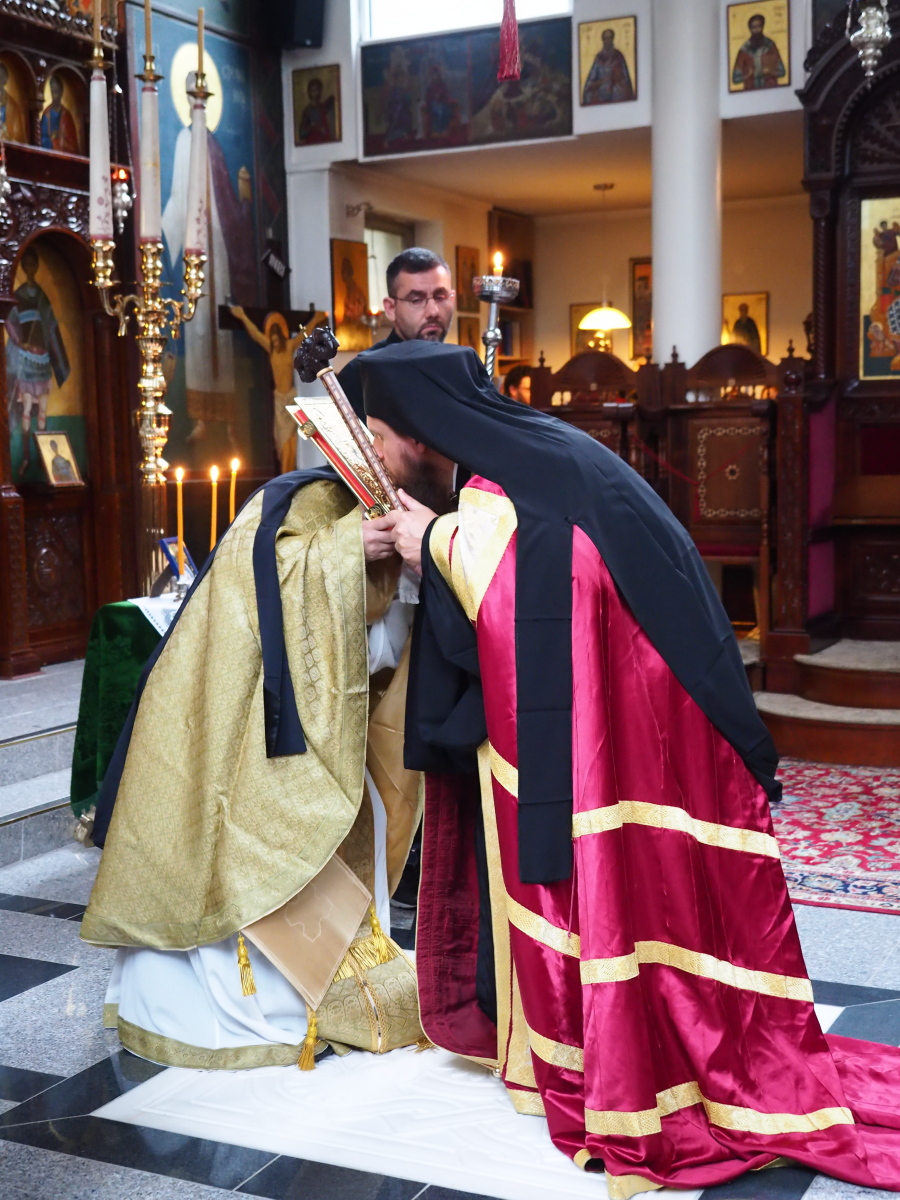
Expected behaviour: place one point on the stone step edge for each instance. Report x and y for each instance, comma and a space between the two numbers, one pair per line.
816, 712
35, 810
19, 739
809, 660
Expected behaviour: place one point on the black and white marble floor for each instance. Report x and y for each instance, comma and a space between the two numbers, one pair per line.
80, 1118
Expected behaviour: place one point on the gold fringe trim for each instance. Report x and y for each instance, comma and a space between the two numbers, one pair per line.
307, 1059
248, 983
367, 952
424, 1043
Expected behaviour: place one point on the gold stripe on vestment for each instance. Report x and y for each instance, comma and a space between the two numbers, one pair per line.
541, 930
668, 816
648, 1121
556, 1054
529, 1104
766, 983
623, 1187
498, 897
653, 816
439, 540
471, 579
581, 1158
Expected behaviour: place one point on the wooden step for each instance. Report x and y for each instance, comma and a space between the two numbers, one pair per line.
852, 674
807, 729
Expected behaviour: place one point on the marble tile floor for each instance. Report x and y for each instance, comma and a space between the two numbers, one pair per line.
81, 1118
41, 701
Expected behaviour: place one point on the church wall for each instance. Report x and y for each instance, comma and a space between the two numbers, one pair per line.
318, 202
766, 247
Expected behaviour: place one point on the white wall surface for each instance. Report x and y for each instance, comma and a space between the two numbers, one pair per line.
766, 246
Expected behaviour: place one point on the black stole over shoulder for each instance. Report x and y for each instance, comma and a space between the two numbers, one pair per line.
283, 732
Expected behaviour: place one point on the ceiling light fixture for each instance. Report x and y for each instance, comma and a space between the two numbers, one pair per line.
604, 319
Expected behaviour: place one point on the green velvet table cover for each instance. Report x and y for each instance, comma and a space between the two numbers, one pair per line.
121, 641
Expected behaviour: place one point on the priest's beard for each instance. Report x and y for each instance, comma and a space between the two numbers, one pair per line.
425, 483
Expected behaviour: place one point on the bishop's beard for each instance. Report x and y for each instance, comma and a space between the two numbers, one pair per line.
425, 483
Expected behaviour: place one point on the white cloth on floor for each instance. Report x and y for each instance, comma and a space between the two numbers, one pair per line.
195, 996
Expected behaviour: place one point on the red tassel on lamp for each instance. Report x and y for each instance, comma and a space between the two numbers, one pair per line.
510, 63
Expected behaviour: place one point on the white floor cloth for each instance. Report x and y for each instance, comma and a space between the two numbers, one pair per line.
194, 996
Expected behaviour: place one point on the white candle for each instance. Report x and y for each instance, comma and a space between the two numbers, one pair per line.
100, 224
195, 237
151, 207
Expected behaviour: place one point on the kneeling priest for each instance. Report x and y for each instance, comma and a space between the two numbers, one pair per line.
264, 745
603, 915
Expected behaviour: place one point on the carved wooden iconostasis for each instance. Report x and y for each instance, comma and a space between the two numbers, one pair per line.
853, 400
64, 549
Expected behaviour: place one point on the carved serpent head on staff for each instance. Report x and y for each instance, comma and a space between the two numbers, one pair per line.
315, 352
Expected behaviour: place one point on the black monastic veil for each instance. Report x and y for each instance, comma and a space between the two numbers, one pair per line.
557, 477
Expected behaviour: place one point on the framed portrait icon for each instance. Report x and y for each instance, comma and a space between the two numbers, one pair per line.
745, 320
607, 61
350, 293
641, 308
759, 45
468, 265
316, 95
58, 459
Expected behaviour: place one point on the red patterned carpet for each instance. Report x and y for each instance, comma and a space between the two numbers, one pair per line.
839, 832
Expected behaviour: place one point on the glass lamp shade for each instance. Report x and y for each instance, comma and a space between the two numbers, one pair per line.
605, 318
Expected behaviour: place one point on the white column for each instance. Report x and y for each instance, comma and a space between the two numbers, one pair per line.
687, 186
309, 255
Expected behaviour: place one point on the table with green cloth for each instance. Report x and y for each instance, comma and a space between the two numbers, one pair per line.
121, 641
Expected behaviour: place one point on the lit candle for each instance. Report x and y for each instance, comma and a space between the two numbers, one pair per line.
498, 263
151, 207
195, 235
235, 464
179, 509
213, 521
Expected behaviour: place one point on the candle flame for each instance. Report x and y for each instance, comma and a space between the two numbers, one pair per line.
179, 473
214, 474
235, 464
498, 263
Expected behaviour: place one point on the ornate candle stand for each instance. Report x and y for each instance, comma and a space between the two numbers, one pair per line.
156, 318
494, 290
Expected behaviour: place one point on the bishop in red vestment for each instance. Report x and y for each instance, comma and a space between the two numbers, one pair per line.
603, 915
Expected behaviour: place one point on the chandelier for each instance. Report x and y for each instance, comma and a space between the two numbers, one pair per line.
873, 34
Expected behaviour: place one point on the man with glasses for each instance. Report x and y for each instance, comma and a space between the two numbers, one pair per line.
419, 305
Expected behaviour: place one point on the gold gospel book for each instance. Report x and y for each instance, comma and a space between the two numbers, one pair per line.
307, 938
321, 422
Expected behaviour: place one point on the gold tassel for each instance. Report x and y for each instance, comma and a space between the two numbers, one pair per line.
307, 1059
367, 952
248, 984
424, 1043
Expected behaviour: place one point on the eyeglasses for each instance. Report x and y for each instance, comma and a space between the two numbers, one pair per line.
418, 300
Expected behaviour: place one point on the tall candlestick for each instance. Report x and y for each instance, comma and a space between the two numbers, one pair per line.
200, 17
235, 464
100, 211
179, 509
213, 520
151, 205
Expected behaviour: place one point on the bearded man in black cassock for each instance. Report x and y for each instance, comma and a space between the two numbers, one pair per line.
603, 916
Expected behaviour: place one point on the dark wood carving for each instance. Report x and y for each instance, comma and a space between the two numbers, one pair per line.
33, 209
56, 583
852, 153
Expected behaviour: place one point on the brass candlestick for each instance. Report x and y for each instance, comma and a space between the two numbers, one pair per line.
156, 318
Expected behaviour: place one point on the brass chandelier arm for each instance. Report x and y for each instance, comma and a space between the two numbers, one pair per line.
157, 318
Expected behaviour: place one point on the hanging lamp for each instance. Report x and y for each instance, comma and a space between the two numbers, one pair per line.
605, 318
